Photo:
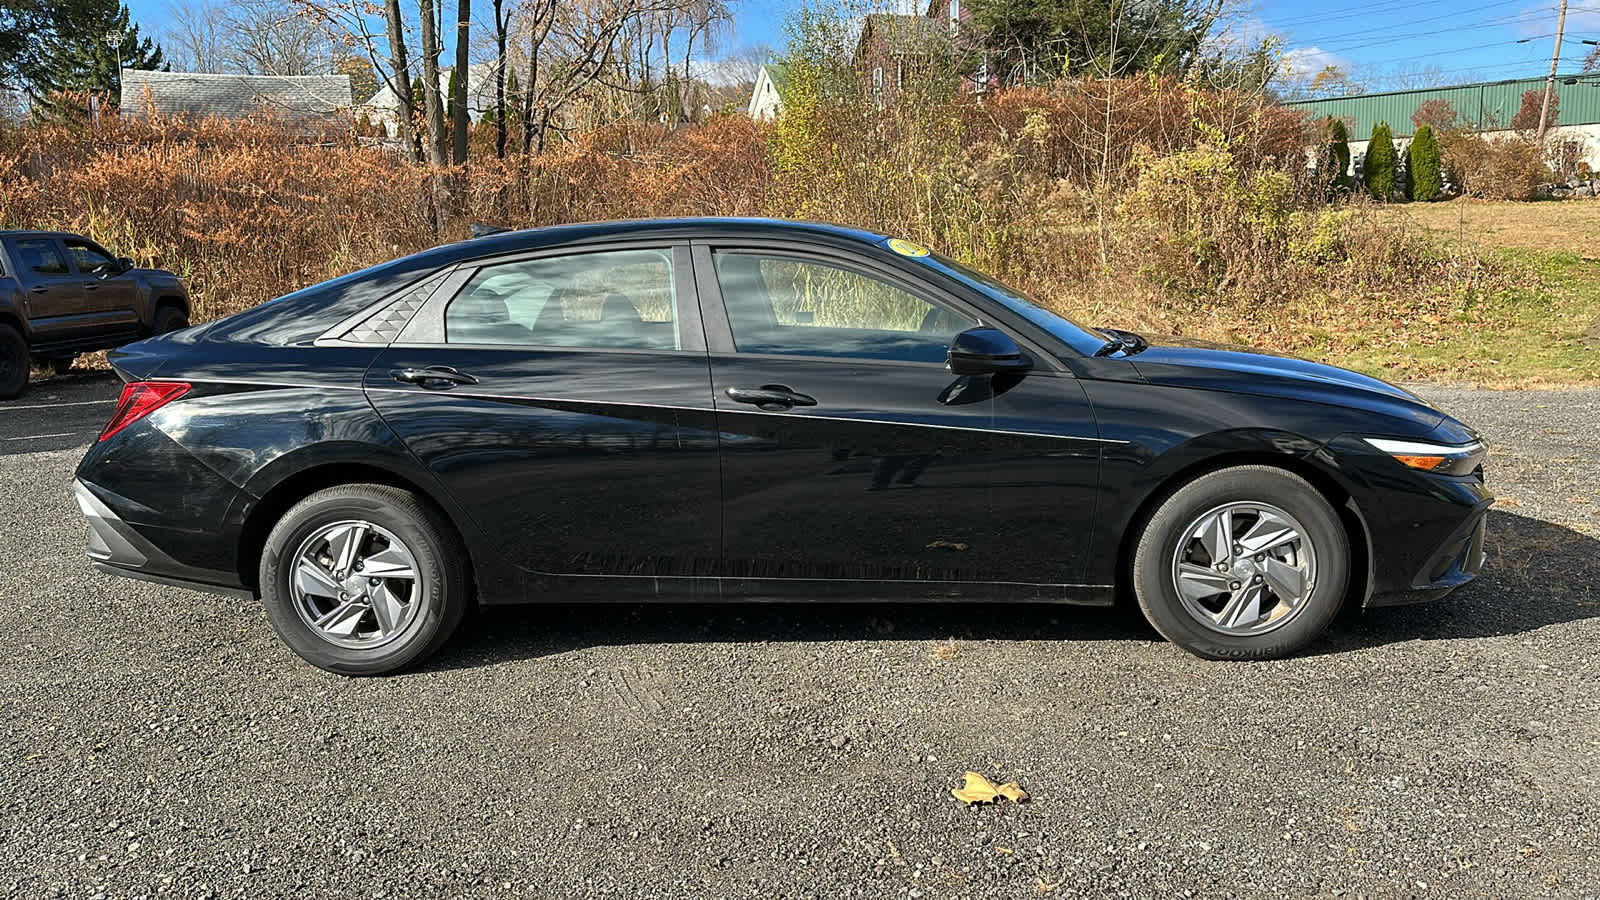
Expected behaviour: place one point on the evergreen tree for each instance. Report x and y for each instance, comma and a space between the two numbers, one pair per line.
513, 100
1028, 40
1339, 153
72, 54
451, 86
1424, 173
1379, 169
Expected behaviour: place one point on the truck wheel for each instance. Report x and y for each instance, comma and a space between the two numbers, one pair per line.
169, 318
13, 362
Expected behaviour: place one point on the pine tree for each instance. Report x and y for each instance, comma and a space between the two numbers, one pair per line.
1424, 176
513, 100
70, 57
1339, 153
451, 86
1379, 169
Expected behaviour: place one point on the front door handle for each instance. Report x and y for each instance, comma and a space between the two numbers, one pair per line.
432, 376
39, 289
91, 285
771, 397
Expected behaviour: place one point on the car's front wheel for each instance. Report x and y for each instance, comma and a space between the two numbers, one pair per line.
363, 579
1249, 562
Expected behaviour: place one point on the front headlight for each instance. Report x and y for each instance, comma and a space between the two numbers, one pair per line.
1445, 459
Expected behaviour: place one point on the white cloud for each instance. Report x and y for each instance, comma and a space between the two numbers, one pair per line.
1303, 63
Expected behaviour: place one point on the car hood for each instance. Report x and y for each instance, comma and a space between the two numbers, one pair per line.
155, 274
1201, 364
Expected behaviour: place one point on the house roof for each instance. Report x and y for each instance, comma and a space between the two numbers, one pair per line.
778, 74
295, 97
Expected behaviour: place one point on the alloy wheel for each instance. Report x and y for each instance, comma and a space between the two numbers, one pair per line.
1244, 568
356, 584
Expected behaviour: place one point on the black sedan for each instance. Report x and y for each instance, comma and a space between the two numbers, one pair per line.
729, 409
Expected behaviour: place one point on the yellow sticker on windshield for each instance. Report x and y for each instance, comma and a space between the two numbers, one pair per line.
906, 248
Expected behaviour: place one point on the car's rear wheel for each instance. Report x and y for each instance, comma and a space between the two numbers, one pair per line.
363, 579
1249, 562
169, 318
13, 362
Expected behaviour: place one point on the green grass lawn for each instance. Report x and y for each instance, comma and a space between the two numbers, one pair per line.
1544, 330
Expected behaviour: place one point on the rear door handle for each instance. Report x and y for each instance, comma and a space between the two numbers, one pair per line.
91, 285
432, 376
771, 397
39, 289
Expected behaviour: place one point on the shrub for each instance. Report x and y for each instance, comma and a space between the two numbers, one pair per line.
1379, 169
1504, 168
1436, 113
1424, 179
1339, 153
1526, 121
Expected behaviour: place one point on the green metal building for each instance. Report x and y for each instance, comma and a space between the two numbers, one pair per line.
1487, 106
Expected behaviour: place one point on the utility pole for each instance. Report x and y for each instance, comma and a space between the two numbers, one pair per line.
1555, 60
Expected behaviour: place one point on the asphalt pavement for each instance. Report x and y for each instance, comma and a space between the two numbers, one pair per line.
162, 743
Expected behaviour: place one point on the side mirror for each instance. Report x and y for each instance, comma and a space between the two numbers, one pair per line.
980, 351
124, 264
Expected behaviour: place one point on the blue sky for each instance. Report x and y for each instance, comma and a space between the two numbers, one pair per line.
1459, 40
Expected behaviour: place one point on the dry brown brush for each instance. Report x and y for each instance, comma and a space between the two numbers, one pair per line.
1146, 203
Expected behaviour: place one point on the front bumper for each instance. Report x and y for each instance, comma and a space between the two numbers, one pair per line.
116, 548
1457, 561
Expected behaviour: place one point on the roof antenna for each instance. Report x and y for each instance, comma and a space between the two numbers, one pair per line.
479, 231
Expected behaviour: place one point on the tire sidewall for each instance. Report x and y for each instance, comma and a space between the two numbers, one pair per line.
1158, 596
169, 319
14, 360
441, 578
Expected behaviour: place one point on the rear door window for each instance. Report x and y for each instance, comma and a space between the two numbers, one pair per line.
620, 299
41, 256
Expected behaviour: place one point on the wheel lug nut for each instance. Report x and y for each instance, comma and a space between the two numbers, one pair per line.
372, 581
1256, 580
1233, 585
1222, 567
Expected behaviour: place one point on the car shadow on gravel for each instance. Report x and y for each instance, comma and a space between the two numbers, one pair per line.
1539, 574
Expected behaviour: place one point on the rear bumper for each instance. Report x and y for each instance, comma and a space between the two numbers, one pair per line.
116, 548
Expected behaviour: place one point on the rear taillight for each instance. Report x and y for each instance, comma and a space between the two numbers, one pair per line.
140, 399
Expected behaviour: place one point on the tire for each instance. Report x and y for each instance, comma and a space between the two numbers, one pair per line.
420, 612
14, 362
169, 318
1214, 616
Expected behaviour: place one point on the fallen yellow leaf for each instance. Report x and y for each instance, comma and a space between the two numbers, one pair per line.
1013, 792
1006, 850
978, 789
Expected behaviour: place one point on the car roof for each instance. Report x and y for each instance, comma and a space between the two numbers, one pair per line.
306, 313
23, 232
724, 226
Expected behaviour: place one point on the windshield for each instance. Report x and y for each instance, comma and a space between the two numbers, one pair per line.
1065, 330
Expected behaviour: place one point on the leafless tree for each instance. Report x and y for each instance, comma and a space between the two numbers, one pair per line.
276, 37
197, 36
433, 107
458, 97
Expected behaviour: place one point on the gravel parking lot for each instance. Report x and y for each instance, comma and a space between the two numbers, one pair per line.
159, 742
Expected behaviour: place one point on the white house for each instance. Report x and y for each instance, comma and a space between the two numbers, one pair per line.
766, 99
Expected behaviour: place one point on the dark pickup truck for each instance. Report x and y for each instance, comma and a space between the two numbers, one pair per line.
62, 294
